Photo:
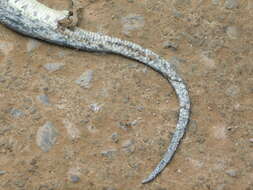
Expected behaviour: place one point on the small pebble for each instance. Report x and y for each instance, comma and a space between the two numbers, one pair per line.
74, 178
169, 44
127, 143
85, 79
128, 146
232, 173
232, 32
72, 130
127, 125
215, 2
109, 153
115, 137
2, 79
2, 172
176, 13
92, 129
5, 129
95, 107
16, 113
20, 183
231, 4
52, 67
46, 136
43, 99
232, 91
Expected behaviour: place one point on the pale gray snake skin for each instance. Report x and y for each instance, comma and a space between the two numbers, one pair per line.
34, 19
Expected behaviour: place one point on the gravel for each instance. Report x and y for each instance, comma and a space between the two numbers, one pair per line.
115, 137
232, 173
170, 45
46, 136
128, 146
74, 178
52, 67
232, 32
109, 153
231, 4
43, 99
16, 113
85, 79
2, 172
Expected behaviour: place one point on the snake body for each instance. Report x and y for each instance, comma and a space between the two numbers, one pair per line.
34, 19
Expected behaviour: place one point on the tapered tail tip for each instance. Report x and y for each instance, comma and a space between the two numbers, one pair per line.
147, 180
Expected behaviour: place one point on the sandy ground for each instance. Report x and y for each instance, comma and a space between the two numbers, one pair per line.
109, 132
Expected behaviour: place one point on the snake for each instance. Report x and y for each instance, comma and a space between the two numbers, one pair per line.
34, 19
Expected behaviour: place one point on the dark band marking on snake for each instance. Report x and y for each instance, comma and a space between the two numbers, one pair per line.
35, 20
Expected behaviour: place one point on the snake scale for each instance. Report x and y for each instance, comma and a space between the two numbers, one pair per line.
33, 19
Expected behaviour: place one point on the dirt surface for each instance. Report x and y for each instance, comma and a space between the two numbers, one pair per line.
75, 120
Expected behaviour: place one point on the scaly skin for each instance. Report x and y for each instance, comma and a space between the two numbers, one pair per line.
33, 19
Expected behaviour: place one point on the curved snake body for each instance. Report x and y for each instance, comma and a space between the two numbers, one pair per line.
34, 19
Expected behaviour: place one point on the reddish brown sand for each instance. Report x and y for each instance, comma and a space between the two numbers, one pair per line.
213, 52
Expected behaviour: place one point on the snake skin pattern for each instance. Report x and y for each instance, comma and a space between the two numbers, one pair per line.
34, 19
